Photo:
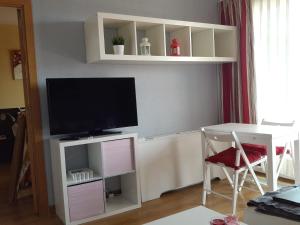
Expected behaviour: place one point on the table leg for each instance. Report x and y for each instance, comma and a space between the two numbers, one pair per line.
297, 161
272, 167
207, 175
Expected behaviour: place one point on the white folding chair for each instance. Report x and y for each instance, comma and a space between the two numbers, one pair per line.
234, 158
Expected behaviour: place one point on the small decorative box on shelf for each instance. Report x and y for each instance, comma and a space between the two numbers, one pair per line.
80, 176
197, 42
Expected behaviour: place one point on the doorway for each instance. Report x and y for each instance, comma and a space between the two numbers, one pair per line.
22, 97
12, 101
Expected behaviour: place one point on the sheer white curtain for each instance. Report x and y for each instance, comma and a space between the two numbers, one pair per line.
277, 49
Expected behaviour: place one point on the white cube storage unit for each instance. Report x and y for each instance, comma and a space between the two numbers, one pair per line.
199, 42
113, 160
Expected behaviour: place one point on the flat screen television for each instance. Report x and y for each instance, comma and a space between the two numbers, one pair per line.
90, 105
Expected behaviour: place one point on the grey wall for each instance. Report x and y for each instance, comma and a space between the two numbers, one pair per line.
170, 98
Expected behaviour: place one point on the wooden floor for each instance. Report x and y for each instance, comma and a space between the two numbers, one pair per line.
168, 204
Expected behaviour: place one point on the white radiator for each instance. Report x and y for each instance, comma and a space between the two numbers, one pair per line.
170, 162
287, 169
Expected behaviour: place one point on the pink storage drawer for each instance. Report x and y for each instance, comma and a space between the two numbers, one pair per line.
85, 200
117, 157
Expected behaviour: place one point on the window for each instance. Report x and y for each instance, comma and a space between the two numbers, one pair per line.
277, 48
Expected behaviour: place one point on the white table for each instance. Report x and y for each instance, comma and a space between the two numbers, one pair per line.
271, 136
252, 217
195, 216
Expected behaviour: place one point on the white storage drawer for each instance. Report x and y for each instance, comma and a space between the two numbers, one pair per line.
117, 157
86, 200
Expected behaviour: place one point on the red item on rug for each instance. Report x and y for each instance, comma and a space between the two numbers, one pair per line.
217, 222
231, 220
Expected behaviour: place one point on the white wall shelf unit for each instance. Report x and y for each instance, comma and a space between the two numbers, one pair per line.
113, 158
199, 42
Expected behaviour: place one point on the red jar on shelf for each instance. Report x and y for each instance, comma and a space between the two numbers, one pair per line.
175, 48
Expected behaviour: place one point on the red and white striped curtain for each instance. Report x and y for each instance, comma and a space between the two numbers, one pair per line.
238, 86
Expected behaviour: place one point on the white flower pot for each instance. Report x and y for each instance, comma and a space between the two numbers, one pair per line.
118, 49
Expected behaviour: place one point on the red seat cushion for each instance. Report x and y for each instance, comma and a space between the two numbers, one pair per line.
262, 149
227, 157
280, 150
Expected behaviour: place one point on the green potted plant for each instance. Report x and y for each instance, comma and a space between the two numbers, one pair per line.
118, 45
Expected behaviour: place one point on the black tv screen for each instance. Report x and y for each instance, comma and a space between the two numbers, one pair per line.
79, 105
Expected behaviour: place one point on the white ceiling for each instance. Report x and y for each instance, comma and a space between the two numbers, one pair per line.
8, 16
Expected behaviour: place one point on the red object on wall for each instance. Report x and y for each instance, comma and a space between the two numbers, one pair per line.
175, 48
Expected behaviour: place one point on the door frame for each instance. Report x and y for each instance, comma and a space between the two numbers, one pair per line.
32, 104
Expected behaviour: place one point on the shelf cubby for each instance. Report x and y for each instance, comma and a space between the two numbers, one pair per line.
183, 36
123, 28
225, 43
202, 42
83, 156
123, 185
155, 34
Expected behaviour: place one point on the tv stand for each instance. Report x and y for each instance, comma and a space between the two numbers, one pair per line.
70, 138
111, 158
90, 134
104, 132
